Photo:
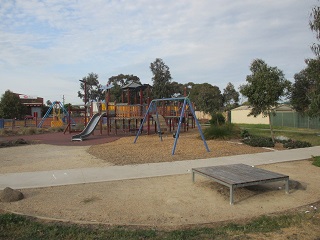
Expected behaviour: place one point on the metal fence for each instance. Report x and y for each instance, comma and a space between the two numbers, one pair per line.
295, 120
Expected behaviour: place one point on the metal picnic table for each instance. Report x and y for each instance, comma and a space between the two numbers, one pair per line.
240, 175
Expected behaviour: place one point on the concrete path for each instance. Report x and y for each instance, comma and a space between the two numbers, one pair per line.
113, 173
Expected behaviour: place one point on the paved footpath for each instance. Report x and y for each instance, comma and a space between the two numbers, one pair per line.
113, 173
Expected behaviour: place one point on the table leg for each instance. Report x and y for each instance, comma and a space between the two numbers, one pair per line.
231, 194
287, 186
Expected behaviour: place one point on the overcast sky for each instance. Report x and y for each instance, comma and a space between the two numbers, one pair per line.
46, 46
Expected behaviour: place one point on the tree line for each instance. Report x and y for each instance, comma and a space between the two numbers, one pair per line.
207, 98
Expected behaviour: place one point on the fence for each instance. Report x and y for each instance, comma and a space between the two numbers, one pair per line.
295, 120
13, 123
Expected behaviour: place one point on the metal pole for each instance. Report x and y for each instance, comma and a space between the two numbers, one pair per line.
179, 126
158, 124
144, 120
198, 125
85, 101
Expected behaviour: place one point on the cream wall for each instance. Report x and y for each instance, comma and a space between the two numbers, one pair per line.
241, 116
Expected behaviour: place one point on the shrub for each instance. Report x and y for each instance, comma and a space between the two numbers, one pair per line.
217, 119
29, 131
258, 142
12, 143
56, 129
225, 131
244, 133
296, 144
7, 132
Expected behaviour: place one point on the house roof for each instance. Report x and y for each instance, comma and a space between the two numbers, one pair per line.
131, 85
280, 108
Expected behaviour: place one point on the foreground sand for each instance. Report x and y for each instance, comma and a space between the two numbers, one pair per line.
161, 202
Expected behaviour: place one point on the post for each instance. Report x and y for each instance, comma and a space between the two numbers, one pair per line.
85, 101
231, 194
287, 186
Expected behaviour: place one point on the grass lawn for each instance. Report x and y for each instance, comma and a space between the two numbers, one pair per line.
20, 227
309, 135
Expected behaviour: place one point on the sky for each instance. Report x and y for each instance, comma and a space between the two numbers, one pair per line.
46, 46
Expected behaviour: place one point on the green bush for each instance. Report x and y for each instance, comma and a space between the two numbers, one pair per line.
217, 119
225, 131
296, 144
244, 133
258, 142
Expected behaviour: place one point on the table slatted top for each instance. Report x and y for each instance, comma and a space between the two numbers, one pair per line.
239, 174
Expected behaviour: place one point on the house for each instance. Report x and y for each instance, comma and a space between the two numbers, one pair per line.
240, 114
33, 104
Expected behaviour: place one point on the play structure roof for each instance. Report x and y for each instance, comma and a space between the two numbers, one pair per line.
134, 85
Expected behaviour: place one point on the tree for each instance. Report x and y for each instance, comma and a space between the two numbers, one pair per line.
207, 98
176, 89
299, 93
49, 103
305, 96
264, 89
118, 82
314, 24
11, 106
161, 79
94, 91
230, 97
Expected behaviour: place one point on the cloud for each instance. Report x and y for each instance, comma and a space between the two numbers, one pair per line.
201, 41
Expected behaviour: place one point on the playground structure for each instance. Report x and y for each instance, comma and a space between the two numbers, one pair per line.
161, 116
126, 118
57, 118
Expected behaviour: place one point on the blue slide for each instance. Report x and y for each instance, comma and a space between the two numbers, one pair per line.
89, 128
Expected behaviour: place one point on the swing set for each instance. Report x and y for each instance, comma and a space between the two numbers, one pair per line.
186, 105
55, 110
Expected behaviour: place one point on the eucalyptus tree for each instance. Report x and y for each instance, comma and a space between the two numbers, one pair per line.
230, 97
93, 89
161, 79
207, 98
264, 89
11, 106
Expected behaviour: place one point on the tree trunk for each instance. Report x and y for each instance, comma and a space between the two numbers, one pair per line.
271, 128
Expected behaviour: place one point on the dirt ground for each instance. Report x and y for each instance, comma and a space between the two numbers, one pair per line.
161, 202
147, 149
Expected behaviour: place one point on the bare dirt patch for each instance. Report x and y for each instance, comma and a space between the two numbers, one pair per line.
172, 201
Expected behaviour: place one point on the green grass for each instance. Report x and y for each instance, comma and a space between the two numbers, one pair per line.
316, 161
20, 227
224, 131
308, 135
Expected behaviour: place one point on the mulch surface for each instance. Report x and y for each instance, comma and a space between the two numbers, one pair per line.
65, 139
